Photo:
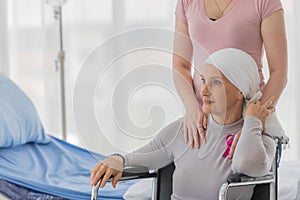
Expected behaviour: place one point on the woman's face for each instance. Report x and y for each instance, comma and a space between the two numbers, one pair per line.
220, 97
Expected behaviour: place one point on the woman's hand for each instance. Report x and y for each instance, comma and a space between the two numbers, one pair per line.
195, 122
111, 166
260, 111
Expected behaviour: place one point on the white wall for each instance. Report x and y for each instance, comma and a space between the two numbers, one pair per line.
3, 39
29, 44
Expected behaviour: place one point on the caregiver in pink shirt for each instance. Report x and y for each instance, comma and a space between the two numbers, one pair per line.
205, 26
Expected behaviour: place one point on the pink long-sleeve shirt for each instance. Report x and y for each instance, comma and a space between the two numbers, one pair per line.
239, 28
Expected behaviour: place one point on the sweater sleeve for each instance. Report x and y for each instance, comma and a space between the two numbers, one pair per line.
159, 152
255, 151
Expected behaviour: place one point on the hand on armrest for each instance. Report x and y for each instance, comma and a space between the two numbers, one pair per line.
130, 173
112, 166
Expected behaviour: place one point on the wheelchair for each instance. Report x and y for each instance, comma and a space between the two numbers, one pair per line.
266, 187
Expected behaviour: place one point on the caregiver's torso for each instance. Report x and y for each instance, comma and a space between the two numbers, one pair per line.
238, 28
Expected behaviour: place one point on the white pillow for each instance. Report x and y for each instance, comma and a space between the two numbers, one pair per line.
19, 120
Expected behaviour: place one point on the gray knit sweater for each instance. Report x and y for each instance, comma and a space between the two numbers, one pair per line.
200, 172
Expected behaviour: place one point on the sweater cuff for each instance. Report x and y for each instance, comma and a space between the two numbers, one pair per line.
120, 155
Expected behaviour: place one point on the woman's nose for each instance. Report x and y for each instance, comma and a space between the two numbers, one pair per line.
204, 90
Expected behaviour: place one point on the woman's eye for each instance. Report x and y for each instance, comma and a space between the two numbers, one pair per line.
203, 80
216, 82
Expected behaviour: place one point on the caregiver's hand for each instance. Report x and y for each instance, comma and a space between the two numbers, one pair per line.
195, 122
256, 109
111, 166
260, 111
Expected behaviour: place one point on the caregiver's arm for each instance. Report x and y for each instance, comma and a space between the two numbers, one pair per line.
194, 118
255, 150
275, 43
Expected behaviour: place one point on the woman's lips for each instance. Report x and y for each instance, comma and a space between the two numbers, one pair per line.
207, 101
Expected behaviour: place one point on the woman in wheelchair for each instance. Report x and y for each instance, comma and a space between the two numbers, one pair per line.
230, 93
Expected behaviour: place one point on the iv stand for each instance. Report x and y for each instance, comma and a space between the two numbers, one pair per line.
59, 65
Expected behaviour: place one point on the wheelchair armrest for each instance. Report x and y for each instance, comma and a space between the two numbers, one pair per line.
248, 180
235, 179
136, 172
129, 173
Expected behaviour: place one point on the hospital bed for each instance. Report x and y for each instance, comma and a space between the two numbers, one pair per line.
57, 168
34, 163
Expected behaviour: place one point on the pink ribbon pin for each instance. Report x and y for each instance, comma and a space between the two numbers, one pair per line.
229, 140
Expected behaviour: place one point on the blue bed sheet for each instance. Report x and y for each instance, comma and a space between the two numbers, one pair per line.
56, 168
